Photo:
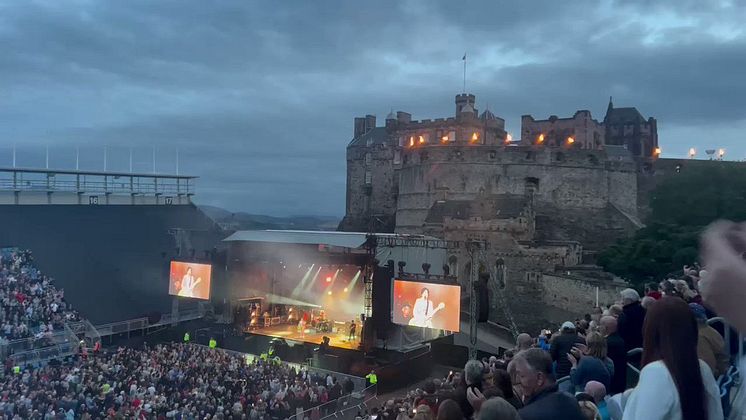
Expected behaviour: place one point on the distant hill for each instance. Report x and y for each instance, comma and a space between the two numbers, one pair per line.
246, 221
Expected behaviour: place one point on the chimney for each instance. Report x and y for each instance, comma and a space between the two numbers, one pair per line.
370, 122
359, 127
403, 117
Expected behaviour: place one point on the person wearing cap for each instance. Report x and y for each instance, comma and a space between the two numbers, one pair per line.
631, 320
561, 346
710, 344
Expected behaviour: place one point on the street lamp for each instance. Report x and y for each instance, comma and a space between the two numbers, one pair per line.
692, 153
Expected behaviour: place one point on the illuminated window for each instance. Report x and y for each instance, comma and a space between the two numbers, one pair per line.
540, 139
411, 141
474, 137
421, 139
570, 141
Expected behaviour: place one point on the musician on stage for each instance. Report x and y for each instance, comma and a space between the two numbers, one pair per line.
353, 327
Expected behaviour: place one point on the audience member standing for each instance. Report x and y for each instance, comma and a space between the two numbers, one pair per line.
561, 345
541, 396
710, 344
631, 319
617, 352
674, 383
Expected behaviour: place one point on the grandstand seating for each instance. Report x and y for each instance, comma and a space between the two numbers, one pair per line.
111, 260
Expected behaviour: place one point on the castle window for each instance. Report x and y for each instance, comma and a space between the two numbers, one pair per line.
529, 155
423, 157
368, 177
475, 137
411, 141
493, 154
397, 157
368, 159
593, 159
369, 142
559, 157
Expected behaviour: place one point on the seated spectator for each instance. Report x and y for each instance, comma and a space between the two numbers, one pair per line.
631, 320
541, 397
590, 363
617, 352
597, 390
673, 382
561, 346
423, 413
710, 344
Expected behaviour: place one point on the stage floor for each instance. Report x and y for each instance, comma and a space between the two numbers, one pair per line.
290, 332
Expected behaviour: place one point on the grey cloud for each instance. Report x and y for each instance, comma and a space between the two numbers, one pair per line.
259, 96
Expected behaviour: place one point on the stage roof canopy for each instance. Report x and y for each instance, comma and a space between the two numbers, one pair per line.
312, 237
341, 239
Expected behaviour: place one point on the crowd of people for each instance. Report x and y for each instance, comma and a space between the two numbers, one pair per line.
30, 304
166, 381
580, 370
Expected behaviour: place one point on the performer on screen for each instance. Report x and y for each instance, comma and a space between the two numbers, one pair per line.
423, 312
188, 283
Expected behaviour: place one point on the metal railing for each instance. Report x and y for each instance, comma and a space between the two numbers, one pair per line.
65, 342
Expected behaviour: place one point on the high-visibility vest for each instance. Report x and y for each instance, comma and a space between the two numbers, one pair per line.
213, 343
16, 369
186, 337
372, 378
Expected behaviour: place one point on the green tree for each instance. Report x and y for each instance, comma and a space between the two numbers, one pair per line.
682, 204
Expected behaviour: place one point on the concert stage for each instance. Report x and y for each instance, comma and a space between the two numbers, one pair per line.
291, 333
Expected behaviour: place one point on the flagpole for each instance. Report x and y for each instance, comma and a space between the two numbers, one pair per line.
464, 72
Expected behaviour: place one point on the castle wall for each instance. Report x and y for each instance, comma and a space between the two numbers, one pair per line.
565, 179
578, 295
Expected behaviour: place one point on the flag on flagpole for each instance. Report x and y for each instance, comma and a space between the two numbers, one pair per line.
464, 57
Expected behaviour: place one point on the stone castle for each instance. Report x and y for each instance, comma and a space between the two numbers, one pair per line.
546, 202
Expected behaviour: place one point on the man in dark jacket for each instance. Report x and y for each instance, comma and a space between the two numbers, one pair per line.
561, 346
631, 320
542, 398
617, 352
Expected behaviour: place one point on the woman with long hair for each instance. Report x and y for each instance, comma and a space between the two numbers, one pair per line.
674, 383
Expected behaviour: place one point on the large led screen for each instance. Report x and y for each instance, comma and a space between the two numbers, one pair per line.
428, 305
190, 280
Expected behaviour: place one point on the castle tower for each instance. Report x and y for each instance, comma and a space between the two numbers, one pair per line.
465, 104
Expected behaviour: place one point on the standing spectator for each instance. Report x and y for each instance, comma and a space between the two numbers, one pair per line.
710, 344
651, 289
449, 410
631, 319
472, 378
561, 345
541, 396
674, 383
505, 385
429, 398
348, 386
591, 364
523, 342
617, 352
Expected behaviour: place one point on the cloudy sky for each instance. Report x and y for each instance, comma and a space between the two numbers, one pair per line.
259, 97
